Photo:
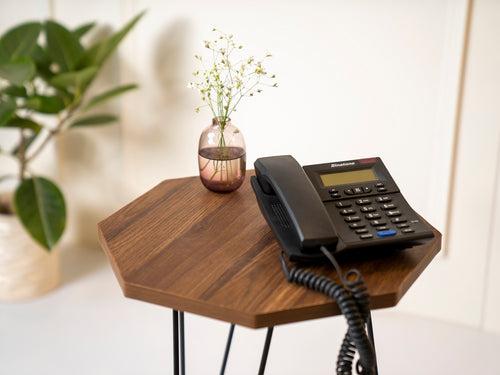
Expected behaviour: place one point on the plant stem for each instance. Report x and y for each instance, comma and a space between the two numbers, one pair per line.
52, 133
22, 155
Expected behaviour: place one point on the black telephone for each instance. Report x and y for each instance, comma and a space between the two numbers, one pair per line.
320, 210
353, 204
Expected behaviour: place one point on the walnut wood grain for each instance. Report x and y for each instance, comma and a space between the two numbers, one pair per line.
184, 247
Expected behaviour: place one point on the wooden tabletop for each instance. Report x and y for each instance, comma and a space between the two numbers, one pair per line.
184, 247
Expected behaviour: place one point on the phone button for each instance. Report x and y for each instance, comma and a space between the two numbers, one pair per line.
377, 223
381, 189
384, 199
386, 233
398, 220
349, 191
356, 225
361, 231
373, 216
368, 209
407, 230
379, 184
347, 211
366, 236
393, 213
404, 225
388, 206
363, 201
343, 204
351, 219
358, 190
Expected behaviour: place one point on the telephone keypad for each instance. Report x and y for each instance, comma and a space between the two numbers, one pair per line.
385, 219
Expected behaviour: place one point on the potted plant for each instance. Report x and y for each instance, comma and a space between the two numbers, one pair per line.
223, 80
45, 73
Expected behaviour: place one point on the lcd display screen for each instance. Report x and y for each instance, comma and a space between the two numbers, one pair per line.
351, 177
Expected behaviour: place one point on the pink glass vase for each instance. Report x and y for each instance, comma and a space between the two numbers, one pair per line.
222, 157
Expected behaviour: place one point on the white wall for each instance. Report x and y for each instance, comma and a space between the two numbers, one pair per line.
357, 79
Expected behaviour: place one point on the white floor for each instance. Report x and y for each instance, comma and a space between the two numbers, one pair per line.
88, 327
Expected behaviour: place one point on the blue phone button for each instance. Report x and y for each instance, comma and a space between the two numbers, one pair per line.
386, 233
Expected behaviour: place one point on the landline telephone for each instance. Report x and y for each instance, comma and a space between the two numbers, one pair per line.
320, 210
343, 206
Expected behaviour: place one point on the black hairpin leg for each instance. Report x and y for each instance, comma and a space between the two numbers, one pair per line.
372, 339
176, 330
226, 351
182, 348
265, 352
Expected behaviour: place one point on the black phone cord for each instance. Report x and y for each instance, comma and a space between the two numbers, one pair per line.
352, 298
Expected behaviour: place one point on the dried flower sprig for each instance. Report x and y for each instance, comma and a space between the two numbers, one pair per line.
228, 77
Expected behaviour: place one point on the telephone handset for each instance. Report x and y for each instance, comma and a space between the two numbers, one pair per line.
346, 205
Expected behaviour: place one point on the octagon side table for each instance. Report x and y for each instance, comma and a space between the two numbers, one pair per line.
192, 250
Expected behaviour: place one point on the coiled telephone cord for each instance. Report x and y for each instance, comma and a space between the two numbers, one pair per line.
353, 300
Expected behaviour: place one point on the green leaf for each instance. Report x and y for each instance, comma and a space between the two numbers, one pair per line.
78, 79
101, 119
40, 206
45, 104
63, 46
98, 53
17, 91
7, 110
83, 29
42, 62
24, 123
109, 94
19, 71
19, 41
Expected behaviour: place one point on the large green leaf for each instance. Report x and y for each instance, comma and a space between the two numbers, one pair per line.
77, 80
98, 53
40, 206
98, 99
19, 41
83, 29
62, 46
101, 119
45, 104
7, 110
19, 71
17, 91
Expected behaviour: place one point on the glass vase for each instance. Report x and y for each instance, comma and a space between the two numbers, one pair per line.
222, 157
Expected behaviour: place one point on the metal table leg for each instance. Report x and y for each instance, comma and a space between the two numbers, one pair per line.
182, 346
226, 351
372, 339
175, 327
265, 352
